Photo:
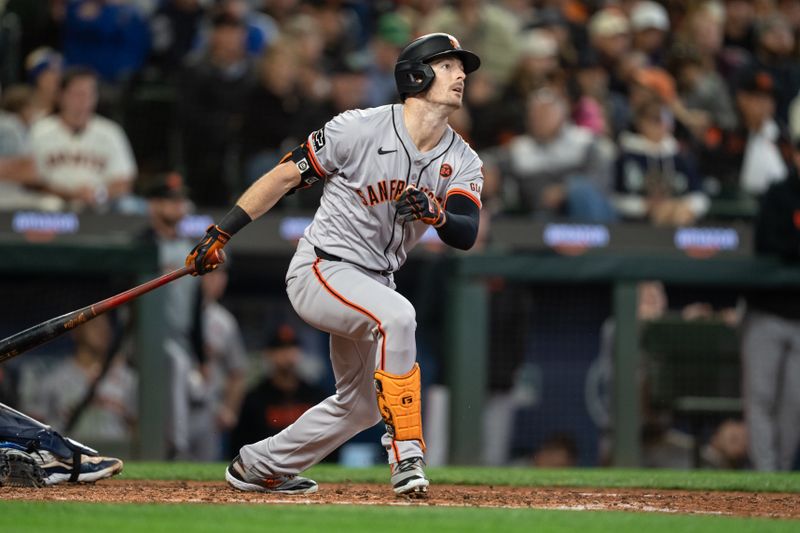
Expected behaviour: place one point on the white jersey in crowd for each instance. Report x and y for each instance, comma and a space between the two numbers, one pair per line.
369, 158
95, 156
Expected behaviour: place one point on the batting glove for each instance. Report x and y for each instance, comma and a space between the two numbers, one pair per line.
413, 204
204, 257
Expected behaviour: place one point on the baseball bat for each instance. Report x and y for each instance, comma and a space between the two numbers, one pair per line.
50, 329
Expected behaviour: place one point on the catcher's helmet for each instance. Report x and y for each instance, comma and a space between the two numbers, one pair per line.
412, 72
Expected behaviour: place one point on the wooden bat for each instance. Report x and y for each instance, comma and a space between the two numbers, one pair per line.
50, 329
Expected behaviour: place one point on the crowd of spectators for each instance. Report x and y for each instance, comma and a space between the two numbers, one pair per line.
595, 110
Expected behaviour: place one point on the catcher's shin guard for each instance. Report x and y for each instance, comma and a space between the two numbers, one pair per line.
399, 402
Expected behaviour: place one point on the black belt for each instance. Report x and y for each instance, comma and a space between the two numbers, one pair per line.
322, 254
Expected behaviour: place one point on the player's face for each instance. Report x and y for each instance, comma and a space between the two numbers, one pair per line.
448, 85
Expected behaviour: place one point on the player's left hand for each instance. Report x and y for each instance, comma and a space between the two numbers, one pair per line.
413, 204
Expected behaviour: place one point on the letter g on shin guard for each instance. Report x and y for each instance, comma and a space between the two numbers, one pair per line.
399, 402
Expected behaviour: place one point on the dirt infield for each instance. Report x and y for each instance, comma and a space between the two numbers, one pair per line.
773, 505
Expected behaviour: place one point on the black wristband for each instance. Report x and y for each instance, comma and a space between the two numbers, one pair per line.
234, 220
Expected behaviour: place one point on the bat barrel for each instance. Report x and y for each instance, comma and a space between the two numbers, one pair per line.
42, 333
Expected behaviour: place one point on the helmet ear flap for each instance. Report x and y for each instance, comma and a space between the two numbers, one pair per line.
413, 77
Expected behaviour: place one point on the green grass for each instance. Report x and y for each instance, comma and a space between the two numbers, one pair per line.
83, 517
585, 477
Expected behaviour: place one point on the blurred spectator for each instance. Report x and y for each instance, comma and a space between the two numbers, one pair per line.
43, 67
110, 37
84, 158
339, 28
301, 36
213, 95
650, 29
771, 334
273, 107
775, 53
487, 29
348, 90
558, 168
654, 180
739, 31
557, 451
280, 398
570, 35
223, 371
609, 36
260, 30
596, 107
703, 28
537, 67
651, 83
727, 448
745, 161
183, 330
174, 29
392, 34
700, 87
18, 172
111, 414
486, 112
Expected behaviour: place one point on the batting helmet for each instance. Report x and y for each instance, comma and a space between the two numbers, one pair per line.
413, 74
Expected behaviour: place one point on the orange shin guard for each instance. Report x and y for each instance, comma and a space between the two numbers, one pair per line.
399, 404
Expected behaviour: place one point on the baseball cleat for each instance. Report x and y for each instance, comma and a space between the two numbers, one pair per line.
19, 469
237, 477
408, 478
92, 468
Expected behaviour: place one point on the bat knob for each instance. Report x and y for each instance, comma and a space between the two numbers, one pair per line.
218, 257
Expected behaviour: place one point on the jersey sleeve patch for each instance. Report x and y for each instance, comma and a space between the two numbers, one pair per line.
317, 139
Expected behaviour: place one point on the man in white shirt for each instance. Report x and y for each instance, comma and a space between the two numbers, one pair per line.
84, 158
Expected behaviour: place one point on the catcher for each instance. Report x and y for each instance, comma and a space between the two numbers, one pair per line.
34, 455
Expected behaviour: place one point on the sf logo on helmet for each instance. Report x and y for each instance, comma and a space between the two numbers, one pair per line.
454, 41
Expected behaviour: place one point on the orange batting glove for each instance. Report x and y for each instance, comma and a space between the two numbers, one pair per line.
208, 253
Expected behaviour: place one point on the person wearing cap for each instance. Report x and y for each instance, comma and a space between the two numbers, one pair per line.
282, 395
776, 53
744, 161
650, 27
536, 67
609, 37
388, 174
43, 68
167, 199
771, 333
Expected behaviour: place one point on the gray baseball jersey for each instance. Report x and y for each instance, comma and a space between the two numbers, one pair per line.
369, 158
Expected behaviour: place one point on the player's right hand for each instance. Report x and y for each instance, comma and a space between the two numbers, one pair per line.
208, 254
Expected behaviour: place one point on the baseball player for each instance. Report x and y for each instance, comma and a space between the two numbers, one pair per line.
389, 174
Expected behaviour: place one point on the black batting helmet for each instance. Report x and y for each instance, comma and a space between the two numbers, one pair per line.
412, 72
